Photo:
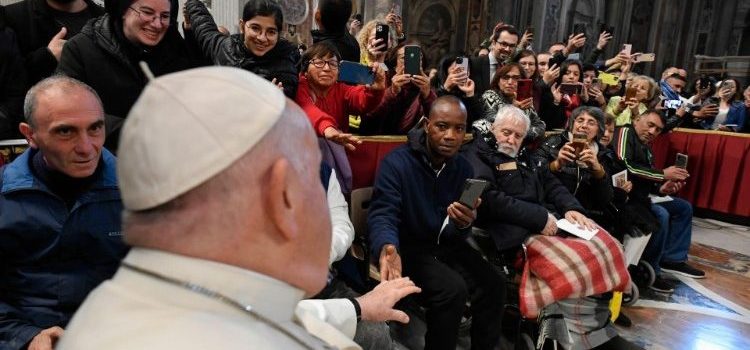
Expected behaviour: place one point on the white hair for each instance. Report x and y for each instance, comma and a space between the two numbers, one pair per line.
510, 112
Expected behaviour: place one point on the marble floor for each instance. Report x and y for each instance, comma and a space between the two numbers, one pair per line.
711, 313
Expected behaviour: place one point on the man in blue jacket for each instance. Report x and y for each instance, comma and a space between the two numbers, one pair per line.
418, 227
59, 215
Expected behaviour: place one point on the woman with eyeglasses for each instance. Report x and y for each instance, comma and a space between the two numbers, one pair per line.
503, 91
258, 47
327, 102
105, 55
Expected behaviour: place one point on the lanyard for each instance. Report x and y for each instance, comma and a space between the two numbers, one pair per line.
248, 309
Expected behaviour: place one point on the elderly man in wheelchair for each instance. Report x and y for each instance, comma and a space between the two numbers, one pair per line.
566, 281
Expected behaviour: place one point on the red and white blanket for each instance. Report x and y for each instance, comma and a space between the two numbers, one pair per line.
558, 268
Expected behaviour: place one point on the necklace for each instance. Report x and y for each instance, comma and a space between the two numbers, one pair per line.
248, 309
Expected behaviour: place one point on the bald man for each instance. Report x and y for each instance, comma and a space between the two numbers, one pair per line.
418, 228
229, 224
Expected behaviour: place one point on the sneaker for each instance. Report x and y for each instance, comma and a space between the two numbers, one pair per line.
682, 268
661, 285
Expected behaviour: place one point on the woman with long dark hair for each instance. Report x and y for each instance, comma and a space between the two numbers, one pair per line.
258, 47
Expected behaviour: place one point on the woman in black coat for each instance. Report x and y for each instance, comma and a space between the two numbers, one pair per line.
106, 53
580, 170
258, 48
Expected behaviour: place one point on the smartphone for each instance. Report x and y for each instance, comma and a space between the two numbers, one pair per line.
381, 32
627, 48
645, 57
524, 89
463, 62
580, 141
604, 28
530, 30
570, 89
681, 161
412, 59
473, 188
713, 100
630, 93
579, 28
359, 18
609, 79
355, 73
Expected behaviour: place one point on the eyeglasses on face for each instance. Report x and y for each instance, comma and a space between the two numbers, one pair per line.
504, 44
511, 77
318, 63
148, 15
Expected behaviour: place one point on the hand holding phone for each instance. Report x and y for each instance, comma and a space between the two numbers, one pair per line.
473, 189
412, 59
681, 161
355, 73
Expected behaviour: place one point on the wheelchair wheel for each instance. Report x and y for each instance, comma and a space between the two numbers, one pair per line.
642, 274
629, 298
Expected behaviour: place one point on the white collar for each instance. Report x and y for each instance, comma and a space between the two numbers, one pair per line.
272, 298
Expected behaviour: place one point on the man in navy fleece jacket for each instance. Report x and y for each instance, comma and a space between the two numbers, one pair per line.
415, 192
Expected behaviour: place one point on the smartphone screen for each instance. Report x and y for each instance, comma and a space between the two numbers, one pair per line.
630, 93
473, 188
355, 73
570, 89
681, 161
412, 59
524, 89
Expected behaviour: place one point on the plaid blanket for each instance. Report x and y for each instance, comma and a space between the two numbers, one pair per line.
559, 268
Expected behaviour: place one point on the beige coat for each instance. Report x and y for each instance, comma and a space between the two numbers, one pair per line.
136, 311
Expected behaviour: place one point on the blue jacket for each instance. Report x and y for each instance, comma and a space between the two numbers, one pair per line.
410, 201
52, 257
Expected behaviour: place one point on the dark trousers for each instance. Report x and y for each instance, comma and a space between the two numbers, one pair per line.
449, 275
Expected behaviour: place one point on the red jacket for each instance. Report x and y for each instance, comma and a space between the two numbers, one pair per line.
333, 110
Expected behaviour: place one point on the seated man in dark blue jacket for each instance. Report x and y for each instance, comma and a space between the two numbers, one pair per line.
59, 215
415, 222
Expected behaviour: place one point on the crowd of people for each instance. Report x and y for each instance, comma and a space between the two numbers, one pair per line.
166, 203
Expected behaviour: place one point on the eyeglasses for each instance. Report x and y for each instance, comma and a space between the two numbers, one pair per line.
148, 15
511, 77
333, 64
508, 45
271, 33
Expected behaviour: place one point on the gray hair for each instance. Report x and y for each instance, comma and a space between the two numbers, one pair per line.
55, 81
513, 113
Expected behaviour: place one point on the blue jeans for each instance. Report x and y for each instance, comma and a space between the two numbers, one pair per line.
672, 242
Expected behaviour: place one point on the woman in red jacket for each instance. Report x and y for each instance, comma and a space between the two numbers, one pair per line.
327, 102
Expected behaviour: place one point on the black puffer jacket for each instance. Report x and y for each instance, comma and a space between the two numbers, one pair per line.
517, 202
35, 24
280, 62
344, 42
102, 58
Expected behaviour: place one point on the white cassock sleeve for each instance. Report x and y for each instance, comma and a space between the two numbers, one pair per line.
343, 230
